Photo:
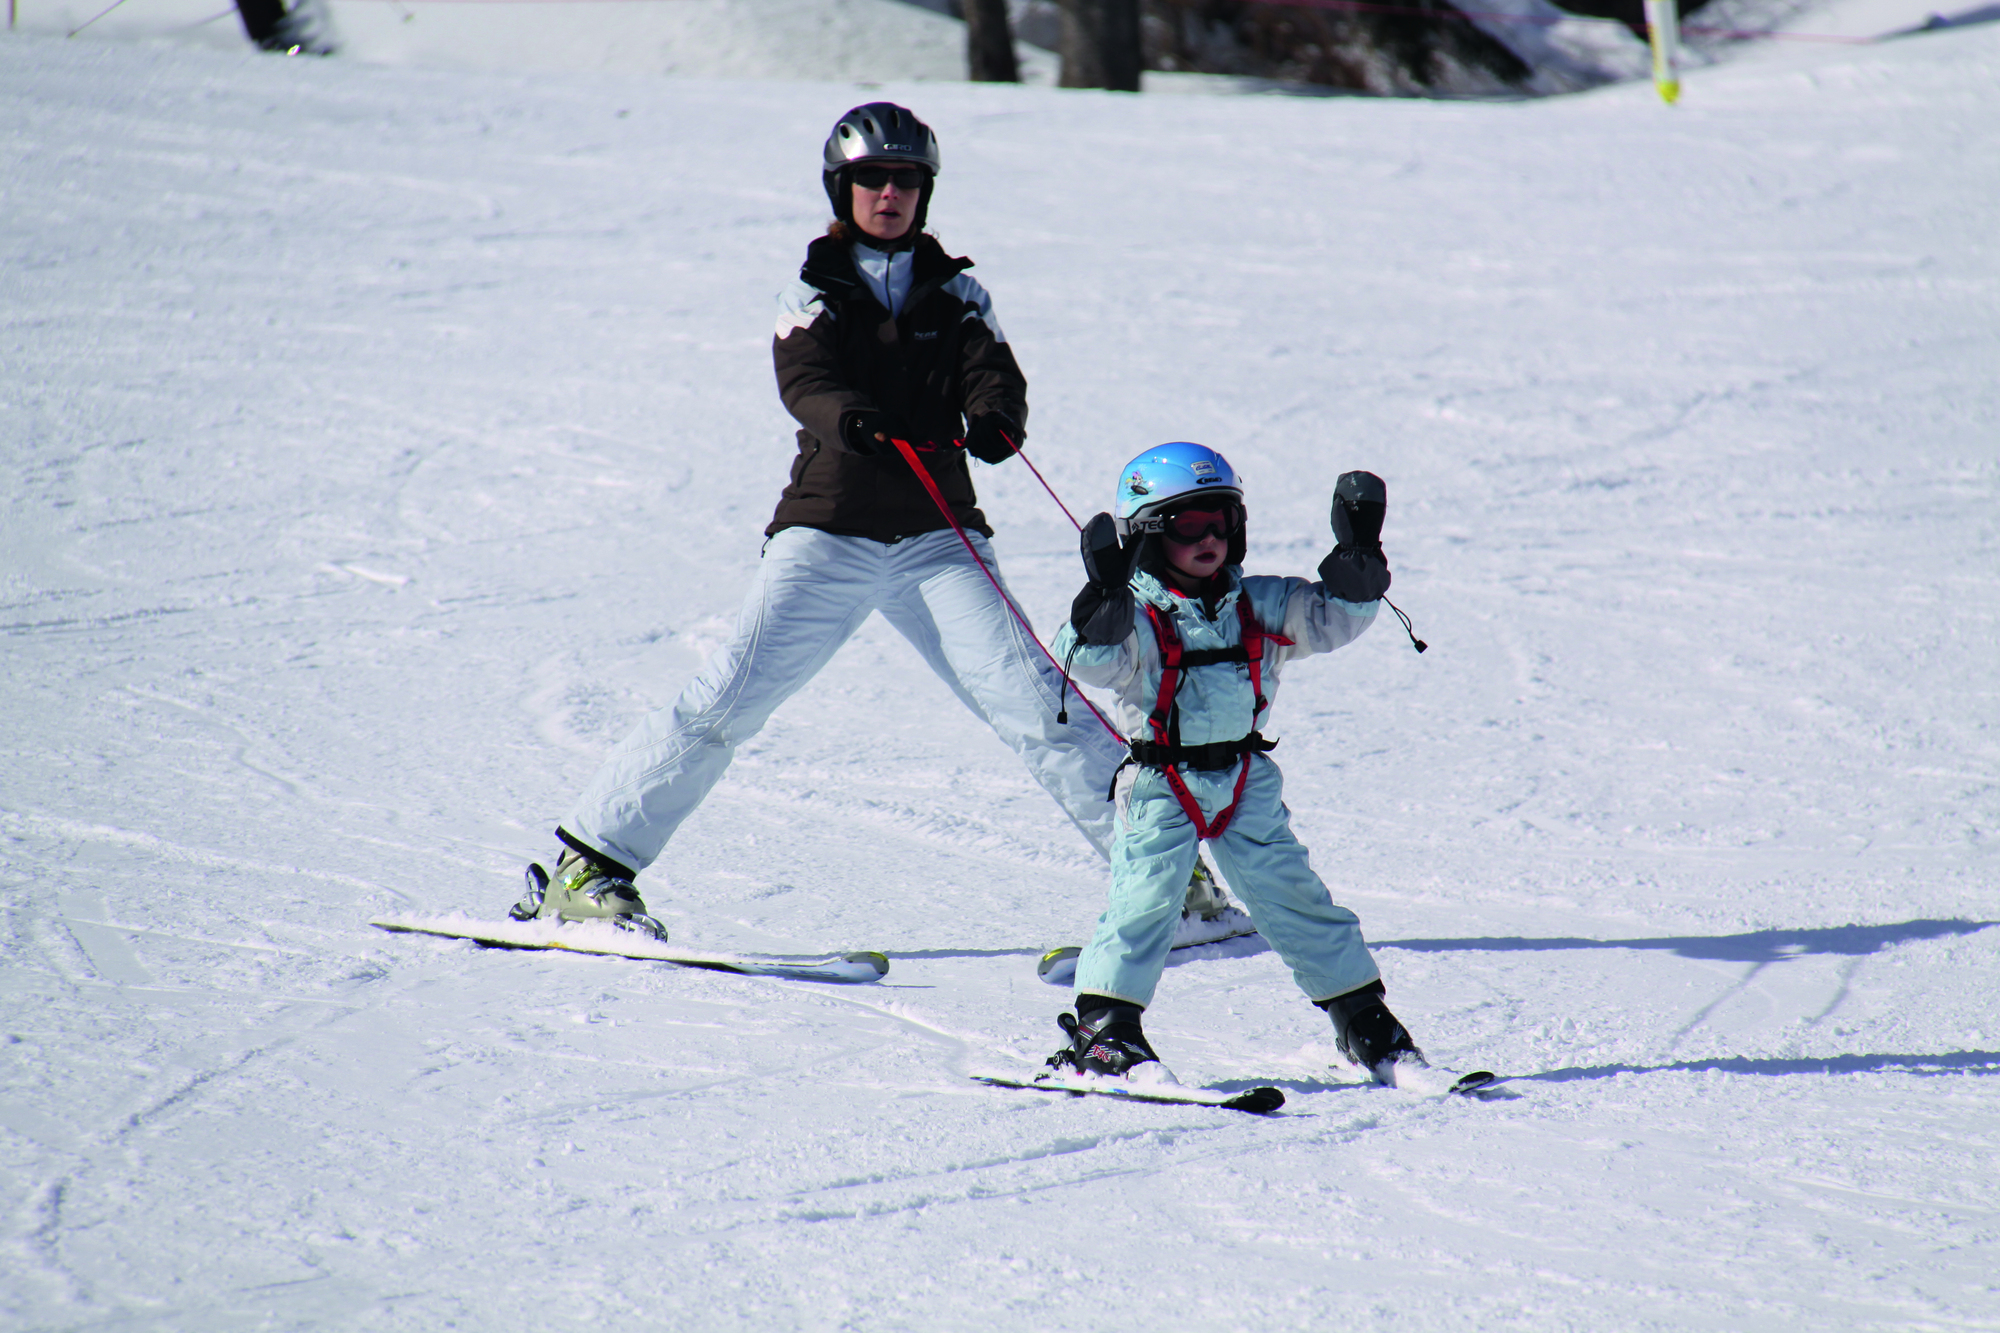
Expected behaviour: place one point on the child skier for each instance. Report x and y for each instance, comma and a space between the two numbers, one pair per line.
1194, 650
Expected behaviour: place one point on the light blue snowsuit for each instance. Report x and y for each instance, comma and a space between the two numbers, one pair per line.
1154, 848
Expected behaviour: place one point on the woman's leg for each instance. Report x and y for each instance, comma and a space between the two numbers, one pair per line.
812, 592
942, 602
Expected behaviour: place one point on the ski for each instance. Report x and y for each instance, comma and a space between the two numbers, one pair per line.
1477, 1085
1424, 1080
1257, 1101
599, 937
1058, 966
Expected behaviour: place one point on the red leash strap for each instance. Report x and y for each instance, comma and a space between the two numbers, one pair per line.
909, 454
1022, 454
1018, 453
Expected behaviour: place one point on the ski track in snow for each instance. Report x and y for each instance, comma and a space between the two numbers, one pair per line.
380, 443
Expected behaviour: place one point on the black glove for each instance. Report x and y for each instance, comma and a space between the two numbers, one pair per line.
1357, 571
868, 432
993, 437
1102, 612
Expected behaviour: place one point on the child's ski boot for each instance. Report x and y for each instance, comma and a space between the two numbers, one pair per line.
1369, 1035
1108, 1042
583, 890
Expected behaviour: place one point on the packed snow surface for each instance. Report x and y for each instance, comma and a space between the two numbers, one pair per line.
380, 443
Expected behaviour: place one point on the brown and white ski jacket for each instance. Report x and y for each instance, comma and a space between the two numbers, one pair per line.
906, 333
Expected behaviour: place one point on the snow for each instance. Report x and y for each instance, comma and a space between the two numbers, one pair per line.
380, 442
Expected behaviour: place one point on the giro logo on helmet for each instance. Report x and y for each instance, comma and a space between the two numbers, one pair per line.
1201, 469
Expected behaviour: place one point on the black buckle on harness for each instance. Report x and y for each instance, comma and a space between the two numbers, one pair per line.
1208, 758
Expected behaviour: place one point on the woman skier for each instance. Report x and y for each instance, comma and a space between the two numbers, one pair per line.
883, 337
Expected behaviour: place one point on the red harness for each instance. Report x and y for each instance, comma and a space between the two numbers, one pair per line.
1176, 658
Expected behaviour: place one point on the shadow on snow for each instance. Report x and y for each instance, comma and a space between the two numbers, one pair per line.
1924, 1066
1929, 1066
1761, 946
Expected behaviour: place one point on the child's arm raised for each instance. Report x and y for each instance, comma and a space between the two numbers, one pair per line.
1102, 612
1101, 619
1320, 617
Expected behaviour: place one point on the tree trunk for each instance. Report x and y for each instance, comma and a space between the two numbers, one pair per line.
989, 46
1100, 44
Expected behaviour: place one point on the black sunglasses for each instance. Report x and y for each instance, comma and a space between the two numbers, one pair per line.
906, 178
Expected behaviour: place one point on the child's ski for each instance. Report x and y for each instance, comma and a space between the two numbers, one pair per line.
1426, 1081
600, 937
1478, 1086
1058, 966
1257, 1101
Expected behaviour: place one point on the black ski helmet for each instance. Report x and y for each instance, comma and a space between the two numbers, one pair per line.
878, 132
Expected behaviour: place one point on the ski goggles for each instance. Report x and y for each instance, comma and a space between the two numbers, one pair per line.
1191, 527
904, 178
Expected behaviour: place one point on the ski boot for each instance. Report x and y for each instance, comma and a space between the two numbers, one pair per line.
584, 890
1369, 1035
1109, 1043
1204, 895
1207, 914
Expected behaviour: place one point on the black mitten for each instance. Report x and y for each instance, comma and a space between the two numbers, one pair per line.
1354, 576
1357, 571
1102, 612
1105, 560
993, 437
1360, 499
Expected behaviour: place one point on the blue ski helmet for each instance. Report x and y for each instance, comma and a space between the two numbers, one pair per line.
1170, 477
1167, 479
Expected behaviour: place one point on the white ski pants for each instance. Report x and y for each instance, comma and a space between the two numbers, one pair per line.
812, 591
